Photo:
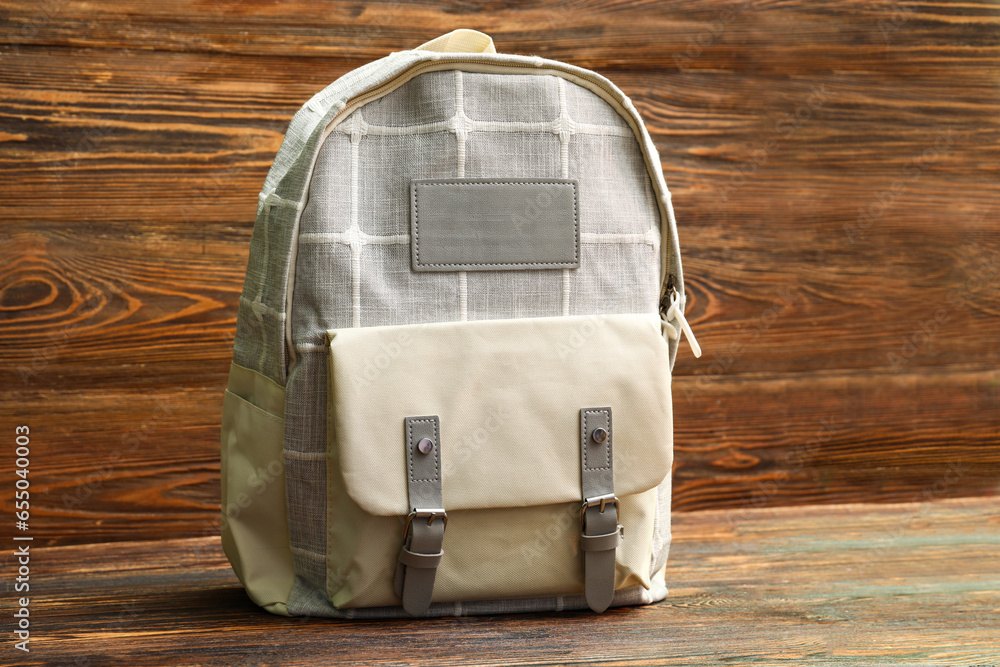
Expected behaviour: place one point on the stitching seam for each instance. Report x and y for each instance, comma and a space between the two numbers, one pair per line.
586, 431
410, 443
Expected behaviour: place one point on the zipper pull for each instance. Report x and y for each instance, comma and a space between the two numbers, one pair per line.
670, 309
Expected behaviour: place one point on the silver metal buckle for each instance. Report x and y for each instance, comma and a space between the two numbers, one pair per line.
597, 501
430, 514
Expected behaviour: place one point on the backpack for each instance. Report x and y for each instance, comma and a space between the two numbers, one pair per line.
450, 388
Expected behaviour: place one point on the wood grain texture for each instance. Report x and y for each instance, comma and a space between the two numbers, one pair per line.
130, 464
834, 171
745, 32
908, 584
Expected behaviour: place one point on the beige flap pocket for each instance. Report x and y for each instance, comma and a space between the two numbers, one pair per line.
508, 395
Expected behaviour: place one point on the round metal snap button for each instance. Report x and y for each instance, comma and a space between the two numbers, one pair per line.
599, 435
425, 445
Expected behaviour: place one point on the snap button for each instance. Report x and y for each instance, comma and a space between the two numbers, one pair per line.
599, 435
425, 445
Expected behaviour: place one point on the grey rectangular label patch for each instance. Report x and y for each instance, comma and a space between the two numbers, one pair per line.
481, 224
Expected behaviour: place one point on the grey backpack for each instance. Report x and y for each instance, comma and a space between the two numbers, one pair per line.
450, 389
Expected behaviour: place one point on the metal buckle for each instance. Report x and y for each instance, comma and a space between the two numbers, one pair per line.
430, 514
597, 501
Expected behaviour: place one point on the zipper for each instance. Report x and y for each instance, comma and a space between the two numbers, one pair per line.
442, 62
489, 64
672, 309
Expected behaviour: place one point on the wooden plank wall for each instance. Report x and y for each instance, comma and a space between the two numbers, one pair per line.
834, 169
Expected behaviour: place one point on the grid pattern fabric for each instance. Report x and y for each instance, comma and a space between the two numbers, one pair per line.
352, 263
262, 322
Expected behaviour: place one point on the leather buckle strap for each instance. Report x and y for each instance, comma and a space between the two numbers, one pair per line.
430, 514
422, 540
601, 533
600, 502
602, 542
425, 561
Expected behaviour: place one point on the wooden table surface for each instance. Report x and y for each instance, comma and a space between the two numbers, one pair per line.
906, 584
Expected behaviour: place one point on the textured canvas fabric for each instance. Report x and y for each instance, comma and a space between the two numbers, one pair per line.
333, 222
478, 378
307, 600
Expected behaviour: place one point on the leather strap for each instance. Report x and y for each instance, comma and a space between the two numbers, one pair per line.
424, 533
602, 542
426, 561
601, 533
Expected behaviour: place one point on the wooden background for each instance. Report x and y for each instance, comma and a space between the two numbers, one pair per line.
834, 169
